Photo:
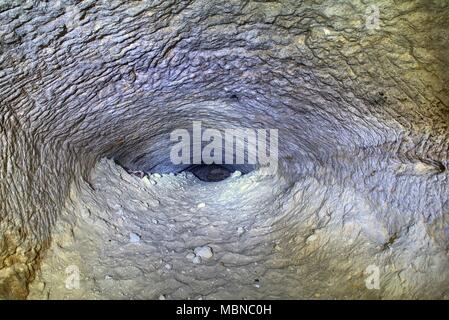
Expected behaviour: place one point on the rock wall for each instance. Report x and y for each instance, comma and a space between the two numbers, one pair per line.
355, 105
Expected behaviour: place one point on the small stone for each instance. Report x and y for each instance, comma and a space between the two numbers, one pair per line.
134, 237
201, 205
156, 175
155, 221
204, 252
146, 181
168, 266
162, 297
240, 230
236, 174
196, 260
190, 256
152, 203
108, 277
311, 238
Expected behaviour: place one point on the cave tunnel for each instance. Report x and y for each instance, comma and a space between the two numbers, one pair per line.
92, 205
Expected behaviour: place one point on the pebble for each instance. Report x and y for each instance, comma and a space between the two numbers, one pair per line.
156, 175
201, 205
155, 221
146, 180
162, 297
134, 237
168, 266
204, 252
196, 260
236, 174
190, 256
240, 230
311, 238
152, 203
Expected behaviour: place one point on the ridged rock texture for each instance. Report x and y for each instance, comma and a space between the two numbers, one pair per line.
362, 115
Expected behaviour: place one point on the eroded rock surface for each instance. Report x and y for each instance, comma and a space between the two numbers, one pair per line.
363, 111
275, 240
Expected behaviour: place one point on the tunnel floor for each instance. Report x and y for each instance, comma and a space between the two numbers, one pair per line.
136, 238
246, 237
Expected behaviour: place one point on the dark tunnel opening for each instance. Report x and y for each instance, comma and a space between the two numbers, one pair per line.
216, 172
210, 172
